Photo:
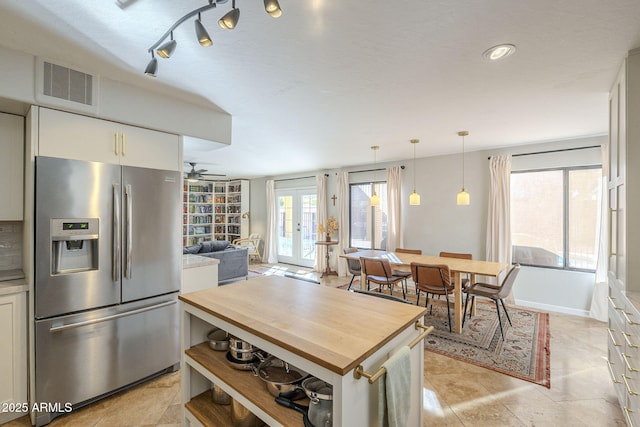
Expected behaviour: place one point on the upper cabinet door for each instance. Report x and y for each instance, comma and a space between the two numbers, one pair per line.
11, 167
76, 137
149, 148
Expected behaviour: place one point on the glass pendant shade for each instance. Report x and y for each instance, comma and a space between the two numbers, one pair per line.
463, 198
273, 8
166, 50
414, 198
202, 34
374, 200
230, 19
152, 67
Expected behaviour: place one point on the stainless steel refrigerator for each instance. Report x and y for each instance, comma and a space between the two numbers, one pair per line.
107, 276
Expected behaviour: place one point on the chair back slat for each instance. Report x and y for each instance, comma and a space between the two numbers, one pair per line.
507, 283
353, 264
455, 255
409, 251
432, 275
375, 267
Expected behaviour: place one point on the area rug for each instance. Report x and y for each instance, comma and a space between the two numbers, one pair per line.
524, 354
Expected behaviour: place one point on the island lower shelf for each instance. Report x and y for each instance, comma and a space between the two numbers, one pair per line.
214, 366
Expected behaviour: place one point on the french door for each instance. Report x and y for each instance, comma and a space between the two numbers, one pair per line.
296, 221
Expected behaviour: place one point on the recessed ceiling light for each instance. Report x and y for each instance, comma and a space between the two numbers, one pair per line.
498, 52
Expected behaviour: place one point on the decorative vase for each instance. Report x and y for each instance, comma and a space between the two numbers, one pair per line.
328, 237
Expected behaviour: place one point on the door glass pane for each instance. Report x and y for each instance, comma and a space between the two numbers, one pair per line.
585, 189
308, 204
285, 225
537, 218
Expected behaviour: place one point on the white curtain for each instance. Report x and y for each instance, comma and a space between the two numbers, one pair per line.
271, 242
343, 220
394, 200
599, 307
321, 250
499, 216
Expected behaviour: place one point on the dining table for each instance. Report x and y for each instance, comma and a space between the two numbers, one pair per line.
457, 266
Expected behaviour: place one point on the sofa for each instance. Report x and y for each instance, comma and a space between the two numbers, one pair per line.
234, 262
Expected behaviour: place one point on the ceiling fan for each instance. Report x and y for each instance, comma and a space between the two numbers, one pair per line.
196, 175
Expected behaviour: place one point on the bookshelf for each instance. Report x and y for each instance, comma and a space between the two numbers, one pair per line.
197, 213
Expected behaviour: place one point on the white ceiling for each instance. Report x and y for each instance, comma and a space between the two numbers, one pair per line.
317, 87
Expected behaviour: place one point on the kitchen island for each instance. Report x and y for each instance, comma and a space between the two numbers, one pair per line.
330, 333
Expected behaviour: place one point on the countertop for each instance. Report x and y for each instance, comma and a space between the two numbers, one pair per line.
331, 327
192, 261
13, 286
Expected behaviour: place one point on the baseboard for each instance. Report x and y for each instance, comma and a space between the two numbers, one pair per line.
554, 308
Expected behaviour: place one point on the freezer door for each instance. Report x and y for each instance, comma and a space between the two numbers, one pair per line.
82, 191
152, 252
84, 356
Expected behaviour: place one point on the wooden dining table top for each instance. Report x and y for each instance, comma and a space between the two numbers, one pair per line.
485, 268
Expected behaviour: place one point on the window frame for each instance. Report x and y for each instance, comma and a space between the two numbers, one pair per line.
565, 215
371, 183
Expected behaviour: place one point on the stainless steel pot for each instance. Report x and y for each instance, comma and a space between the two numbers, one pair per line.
320, 394
218, 340
239, 364
280, 377
242, 417
240, 350
219, 396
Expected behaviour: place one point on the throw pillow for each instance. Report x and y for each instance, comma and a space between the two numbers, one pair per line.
193, 249
214, 246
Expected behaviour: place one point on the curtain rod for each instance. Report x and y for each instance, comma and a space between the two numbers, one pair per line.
300, 177
552, 151
372, 170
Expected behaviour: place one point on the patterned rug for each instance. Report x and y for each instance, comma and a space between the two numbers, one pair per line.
524, 354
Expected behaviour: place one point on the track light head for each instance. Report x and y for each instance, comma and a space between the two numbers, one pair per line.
230, 19
166, 50
202, 34
152, 67
272, 7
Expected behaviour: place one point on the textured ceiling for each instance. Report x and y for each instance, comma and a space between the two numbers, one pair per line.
317, 87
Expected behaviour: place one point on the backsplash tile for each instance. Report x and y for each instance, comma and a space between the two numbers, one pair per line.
10, 245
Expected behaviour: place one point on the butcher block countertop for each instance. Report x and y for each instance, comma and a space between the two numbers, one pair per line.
331, 327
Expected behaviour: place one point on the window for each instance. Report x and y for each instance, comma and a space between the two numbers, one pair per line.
555, 216
368, 224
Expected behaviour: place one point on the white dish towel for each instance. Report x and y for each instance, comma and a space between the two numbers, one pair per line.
395, 390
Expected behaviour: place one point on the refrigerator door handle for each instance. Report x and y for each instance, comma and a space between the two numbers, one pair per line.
115, 256
112, 317
127, 266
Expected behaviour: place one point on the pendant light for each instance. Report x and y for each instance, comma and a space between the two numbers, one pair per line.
375, 199
463, 196
414, 198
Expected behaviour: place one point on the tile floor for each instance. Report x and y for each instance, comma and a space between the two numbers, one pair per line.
455, 394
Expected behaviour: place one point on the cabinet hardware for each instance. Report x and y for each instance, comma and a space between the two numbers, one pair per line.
611, 212
629, 321
615, 307
359, 372
627, 414
626, 384
629, 343
613, 340
115, 143
613, 377
625, 357
124, 144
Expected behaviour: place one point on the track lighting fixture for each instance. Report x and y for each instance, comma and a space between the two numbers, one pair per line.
202, 34
228, 22
230, 19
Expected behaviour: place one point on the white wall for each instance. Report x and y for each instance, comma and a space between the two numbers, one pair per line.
439, 224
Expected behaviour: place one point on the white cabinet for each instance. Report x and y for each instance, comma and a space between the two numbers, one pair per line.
72, 136
11, 167
624, 237
13, 355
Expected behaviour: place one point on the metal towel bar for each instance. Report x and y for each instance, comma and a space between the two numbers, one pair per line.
359, 372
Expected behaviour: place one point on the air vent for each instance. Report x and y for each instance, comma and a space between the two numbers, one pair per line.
65, 83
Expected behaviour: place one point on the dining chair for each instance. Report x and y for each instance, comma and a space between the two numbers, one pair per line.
353, 265
432, 279
494, 292
403, 273
378, 271
465, 280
